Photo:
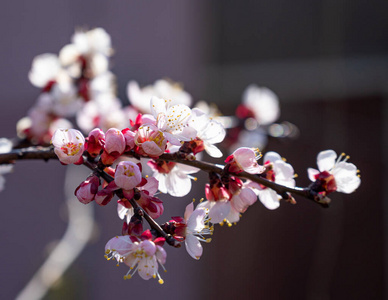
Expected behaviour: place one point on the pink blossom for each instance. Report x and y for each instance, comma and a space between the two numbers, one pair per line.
127, 175
173, 120
197, 226
68, 145
278, 171
150, 140
335, 174
263, 103
245, 159
174, 179
140, 255
209, 131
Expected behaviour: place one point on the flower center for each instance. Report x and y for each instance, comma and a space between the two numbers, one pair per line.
157, 138
71, 149
128, 171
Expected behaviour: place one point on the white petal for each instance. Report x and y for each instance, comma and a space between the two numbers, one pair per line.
213, 132
326, 160
269, 198
272, 157
263, 102
186, 169
45, 67
187, 134
206, 204
290, 182
234, 216
161, 254
122, 244
193, 246
162, 182
157, 106
248, 196
137, 98
147, 267
346, 178
212, 150
219, 211
311, 173
172, 139
189, 210
283, 170
121, 211
196, 221
178, 184
5, 145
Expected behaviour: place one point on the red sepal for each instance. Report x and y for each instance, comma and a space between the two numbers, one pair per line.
146, 235
159, 241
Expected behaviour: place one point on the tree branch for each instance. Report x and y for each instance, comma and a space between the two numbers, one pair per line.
36, 152
47, 153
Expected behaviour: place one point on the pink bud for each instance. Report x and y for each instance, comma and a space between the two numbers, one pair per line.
96, 141
127, 175
114, 141
129, 139
87, 190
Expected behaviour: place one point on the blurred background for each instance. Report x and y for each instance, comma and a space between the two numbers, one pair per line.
328, 63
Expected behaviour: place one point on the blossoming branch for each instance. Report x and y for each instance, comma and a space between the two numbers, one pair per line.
154, 146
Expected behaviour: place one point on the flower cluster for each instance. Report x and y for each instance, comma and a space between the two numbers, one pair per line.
160, 131
71, 83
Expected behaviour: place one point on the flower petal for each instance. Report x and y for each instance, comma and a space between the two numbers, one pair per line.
121, 244
178, 184
195, 223
193, 246
234, 216
213, 151
272, 157
269, 198
326, 160
346, 178
219, 211
189, 210
311, 173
